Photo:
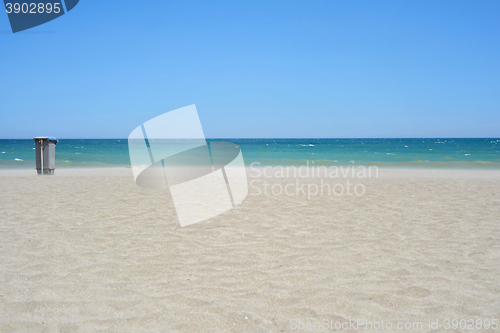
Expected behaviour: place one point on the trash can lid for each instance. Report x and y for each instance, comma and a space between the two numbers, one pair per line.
50, 138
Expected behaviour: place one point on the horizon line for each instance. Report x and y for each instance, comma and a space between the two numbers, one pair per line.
279, 138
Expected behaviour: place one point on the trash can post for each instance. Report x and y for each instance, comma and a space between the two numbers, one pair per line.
45, 148
41, 153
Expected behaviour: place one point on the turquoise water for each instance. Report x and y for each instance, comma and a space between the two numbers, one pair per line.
420, 153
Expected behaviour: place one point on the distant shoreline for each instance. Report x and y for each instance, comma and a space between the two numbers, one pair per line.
273, 172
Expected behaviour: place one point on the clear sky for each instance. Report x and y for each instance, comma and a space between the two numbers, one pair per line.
268, 69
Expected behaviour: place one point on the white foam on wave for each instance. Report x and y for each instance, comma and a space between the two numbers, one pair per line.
18, 159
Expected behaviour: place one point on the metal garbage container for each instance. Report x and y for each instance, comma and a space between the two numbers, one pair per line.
45, 148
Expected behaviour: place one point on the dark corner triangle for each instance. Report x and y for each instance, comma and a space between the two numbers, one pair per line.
70, 4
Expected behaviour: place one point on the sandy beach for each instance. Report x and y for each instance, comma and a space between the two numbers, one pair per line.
88, 250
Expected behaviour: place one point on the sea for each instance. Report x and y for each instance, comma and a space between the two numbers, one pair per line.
391, 153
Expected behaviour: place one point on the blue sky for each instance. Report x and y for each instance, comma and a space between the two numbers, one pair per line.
272, 69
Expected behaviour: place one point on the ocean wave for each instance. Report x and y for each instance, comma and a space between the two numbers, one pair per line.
417, 164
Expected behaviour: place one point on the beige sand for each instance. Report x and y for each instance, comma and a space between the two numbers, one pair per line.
96, 252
